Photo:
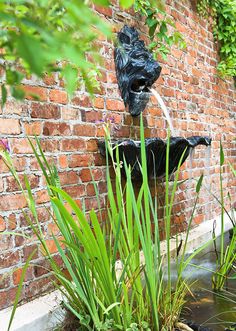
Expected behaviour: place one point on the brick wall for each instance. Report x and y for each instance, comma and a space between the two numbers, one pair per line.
200, 103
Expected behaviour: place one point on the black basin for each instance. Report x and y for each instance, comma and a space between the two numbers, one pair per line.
130, 150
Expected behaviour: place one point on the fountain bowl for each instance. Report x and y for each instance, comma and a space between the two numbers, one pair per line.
130, 151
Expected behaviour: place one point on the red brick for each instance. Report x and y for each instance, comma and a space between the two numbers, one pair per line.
80, 160
85, 174
45, 110
49, 145
63, 161
72, 145
14, 107
42, 197
56, 129
7, 297
9, 126
53, 228
107, 11
75, 191
82, 100
42, 268
92, 145
70, 113
98, 102
2, 224
21, 146
58, 96
34, 128
12, 221
17, 275
111, 78
4, 281
12, 202
9, 259
82, 130
91, 116
49, 79
115, 105
12, 185
39, 287
68, 177
28, 250
35, 92
51, 246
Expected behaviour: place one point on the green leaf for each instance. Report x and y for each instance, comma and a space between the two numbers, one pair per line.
4, 94
71, 79
126, 3
30, 49
17, 92
104, 3
222, 156
13, 77
199, 184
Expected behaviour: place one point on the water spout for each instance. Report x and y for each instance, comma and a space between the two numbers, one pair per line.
164, 109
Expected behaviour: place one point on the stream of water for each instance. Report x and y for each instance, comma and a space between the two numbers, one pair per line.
164, 109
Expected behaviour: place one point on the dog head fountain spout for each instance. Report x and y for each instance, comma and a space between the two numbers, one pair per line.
136, 70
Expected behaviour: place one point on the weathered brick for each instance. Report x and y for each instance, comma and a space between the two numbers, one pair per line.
9, 259
85, 174
21, 146
12, 185
2, 224
91, 116
70, 113
34, 128
45, 110
72, 145
12, 202
56, 129
14, 107
18, 272
9, 126
115, 105
82, 130
35, 92
63, 161
98, 102
80, 160
68, 177
58, 96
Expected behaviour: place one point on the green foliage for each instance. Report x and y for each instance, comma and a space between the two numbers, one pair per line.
161, 29
100, 297
38, 36
226, 257
223, 14
43, 36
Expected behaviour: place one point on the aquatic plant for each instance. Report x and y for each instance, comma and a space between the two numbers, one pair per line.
99, 296
226, 257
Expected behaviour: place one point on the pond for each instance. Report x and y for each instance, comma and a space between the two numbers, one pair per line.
214, 310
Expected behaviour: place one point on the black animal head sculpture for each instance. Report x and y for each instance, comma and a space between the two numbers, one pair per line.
130, 150
136, 70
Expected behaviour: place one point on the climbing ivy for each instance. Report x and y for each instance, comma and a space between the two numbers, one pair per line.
223, 14
161, 29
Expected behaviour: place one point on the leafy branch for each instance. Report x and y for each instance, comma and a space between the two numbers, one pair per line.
161, 29
223, 14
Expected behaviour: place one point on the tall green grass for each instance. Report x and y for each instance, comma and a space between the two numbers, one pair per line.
94, 292
226, 256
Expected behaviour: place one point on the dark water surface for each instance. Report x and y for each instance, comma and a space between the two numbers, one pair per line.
207, 308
